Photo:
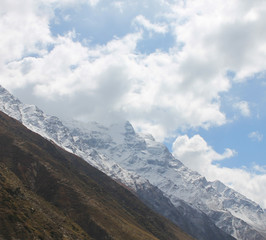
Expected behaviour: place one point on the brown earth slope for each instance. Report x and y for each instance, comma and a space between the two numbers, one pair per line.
48, 193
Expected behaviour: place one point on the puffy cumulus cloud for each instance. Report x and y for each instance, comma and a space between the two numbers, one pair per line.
25, 26
70, 67
51, 71
195, 153
160, 91
25, 30
228, 34
119, 80
158, 97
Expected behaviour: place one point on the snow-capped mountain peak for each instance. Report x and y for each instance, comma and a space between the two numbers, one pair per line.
141, 164
143, 155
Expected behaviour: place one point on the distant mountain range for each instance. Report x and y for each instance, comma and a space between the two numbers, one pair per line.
205, 210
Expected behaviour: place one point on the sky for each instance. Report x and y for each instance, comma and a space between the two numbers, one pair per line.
190, 72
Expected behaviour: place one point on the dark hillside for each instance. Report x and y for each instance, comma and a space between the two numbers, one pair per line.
48, 193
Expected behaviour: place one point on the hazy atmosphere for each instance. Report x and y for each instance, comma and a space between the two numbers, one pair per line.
192, 73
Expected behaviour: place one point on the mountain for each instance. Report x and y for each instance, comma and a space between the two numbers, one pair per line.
149, 170
141, 154
48, 193
53, 129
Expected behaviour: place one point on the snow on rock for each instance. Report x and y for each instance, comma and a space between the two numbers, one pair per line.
137, 160
141, 154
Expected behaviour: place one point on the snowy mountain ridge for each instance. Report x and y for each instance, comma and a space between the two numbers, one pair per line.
153, 161
139, 162
53, 129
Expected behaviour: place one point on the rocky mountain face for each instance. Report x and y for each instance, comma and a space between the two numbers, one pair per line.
149, 170
48, 193
141, 154
53, 129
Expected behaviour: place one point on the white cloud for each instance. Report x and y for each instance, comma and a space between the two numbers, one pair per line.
158, 28
24, 30
243, 107
195, 153
162, 90
259, 169
70, 69
256, 136
217, 31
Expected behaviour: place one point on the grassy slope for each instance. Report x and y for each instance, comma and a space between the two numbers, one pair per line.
24, 215
52, 194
